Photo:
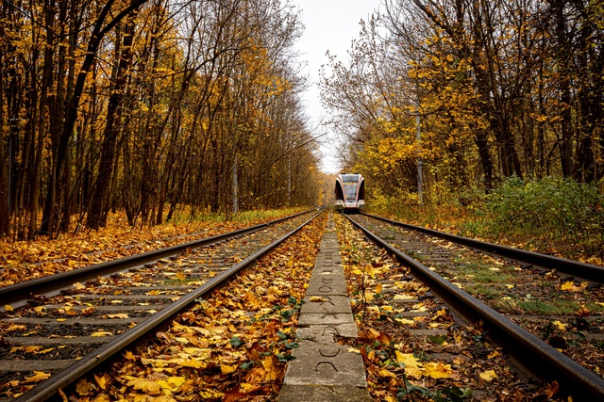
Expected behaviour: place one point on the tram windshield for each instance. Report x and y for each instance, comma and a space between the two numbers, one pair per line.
351, 183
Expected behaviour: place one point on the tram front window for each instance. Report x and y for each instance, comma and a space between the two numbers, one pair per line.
351, 191
351, 182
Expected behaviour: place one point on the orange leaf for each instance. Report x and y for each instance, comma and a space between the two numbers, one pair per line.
37, 377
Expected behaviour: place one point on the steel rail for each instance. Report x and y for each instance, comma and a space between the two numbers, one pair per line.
49, 389
540, 357
16, 295
570, 267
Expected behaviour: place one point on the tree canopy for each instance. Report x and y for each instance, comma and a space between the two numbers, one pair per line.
147, 106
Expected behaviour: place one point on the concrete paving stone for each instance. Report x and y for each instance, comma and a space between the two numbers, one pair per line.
322, 369
320, 364
327, 278
328, 304
322, 393
325, 319
316, 287
327, 333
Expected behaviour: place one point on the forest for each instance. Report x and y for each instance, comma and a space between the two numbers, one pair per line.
499, 89
147, 107
486, 114
154, 106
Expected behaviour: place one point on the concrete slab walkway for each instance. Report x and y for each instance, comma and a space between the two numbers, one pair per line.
324, 370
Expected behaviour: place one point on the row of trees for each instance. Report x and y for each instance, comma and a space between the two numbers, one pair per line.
148, 105
500, 88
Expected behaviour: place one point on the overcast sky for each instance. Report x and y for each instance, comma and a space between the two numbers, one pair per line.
329, 25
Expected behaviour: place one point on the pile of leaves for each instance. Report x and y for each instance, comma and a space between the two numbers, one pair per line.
232, 346
25, 260
412, 347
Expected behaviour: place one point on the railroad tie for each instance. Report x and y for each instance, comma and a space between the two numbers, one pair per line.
324, 370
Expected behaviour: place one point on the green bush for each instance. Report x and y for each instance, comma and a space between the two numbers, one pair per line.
550, 209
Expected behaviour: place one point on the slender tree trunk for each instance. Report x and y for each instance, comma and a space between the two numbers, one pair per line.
99, 207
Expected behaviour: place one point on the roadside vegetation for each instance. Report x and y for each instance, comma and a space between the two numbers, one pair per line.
484, 118
23, 260
552, 215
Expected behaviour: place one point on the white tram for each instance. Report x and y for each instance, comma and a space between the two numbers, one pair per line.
350, 192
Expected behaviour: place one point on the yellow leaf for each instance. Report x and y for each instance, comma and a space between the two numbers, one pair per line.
561, 326
488, 375
101, 380
269, 368
37, 377
372, 333
211, 394
317, 299
79, 286
226, 369
120, 315
129, 355
437, 370
378, 288
354, 350
405, 321
247, 388
8, 308
83, 387
144, 385
567, 285
406, 359
99, 334
368, 295
172, 383
386, 373
413, 368
494, 354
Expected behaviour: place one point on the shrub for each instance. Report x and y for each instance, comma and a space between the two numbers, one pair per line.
550, 209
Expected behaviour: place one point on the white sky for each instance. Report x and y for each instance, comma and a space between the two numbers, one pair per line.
329, 25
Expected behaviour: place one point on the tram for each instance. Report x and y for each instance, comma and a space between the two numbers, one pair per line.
350, 192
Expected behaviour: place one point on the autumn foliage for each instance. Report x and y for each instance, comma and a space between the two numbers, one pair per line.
147, 107
450, 96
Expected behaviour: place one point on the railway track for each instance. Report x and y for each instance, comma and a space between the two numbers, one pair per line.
548, 316
64, 326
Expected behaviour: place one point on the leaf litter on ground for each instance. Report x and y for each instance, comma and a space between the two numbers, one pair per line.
446, 361
232, 346
25, 260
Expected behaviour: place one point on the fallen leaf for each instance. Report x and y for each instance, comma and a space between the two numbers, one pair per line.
437, 370
37, 377
227, 369
99, 334
142, 384
559, 325
488, 375
172, 383
386, 373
